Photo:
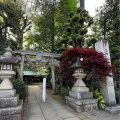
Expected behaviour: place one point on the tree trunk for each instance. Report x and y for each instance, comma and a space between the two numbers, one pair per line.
53, 30
20, 39
82, 4
0, 36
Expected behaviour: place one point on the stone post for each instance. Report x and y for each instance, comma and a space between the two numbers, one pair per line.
107, 84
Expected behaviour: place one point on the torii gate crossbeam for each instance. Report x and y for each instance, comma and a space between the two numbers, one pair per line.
39, 56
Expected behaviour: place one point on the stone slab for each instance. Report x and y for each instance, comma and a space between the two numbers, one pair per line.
7, 93
107, 91
80, 89
77, 108
64, 113
74, 118
9, 102
11, 117
81, 102
12, 110
81, 95
35, 117
82, 108
6, 83
113, 109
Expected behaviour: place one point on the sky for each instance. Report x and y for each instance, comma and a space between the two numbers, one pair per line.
91, 5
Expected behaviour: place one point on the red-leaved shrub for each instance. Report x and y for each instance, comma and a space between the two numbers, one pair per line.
92, 60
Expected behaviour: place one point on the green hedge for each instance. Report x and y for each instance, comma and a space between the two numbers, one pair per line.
21, 88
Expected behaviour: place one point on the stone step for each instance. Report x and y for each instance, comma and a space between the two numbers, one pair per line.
81, 102
83, 105
11, 117
9, 102
7, 93
81, 95
11, 110
83, 108
113, 109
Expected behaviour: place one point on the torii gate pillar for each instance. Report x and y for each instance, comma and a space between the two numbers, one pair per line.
53, 76
22, 65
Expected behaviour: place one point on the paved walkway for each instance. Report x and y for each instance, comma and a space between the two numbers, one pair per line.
36, 109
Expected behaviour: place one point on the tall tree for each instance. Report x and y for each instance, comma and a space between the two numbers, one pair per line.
75, 30
15, 17
82, 4
49, 23
108, 16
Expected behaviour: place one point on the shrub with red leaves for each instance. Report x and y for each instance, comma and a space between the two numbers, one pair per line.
92, 60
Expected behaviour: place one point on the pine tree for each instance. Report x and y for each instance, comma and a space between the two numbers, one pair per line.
75, 29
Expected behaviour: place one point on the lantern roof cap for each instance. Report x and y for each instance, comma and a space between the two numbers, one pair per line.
7, 57
8, 52
77, 64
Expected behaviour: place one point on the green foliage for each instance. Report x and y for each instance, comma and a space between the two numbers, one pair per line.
64, 91
75, 29
15, 18
101, 100
49, 24
12, 44
108, 18
94, 87
118, 71
95, 34
21, 88
115, 49
58, 87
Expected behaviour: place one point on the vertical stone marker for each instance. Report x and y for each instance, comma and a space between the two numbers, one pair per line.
107, 84
10, 105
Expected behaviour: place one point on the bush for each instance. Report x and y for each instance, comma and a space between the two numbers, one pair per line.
64, 91
58, 87
101, 100
21, 88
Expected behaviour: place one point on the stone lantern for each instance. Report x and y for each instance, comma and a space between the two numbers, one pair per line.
6, 61
80, 99
10, 105
79, 74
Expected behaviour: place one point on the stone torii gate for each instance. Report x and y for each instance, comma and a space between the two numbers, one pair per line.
39, 56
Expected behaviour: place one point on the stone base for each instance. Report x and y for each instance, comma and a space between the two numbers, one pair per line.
81, 101
11, 110
113, 109
11, 117
9, 102
10, 105
83, 108
80, 89
82, 105
81, 95
7, 93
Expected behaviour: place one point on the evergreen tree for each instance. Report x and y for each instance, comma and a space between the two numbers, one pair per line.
109, 21
49, 23
15, 18
75, 30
